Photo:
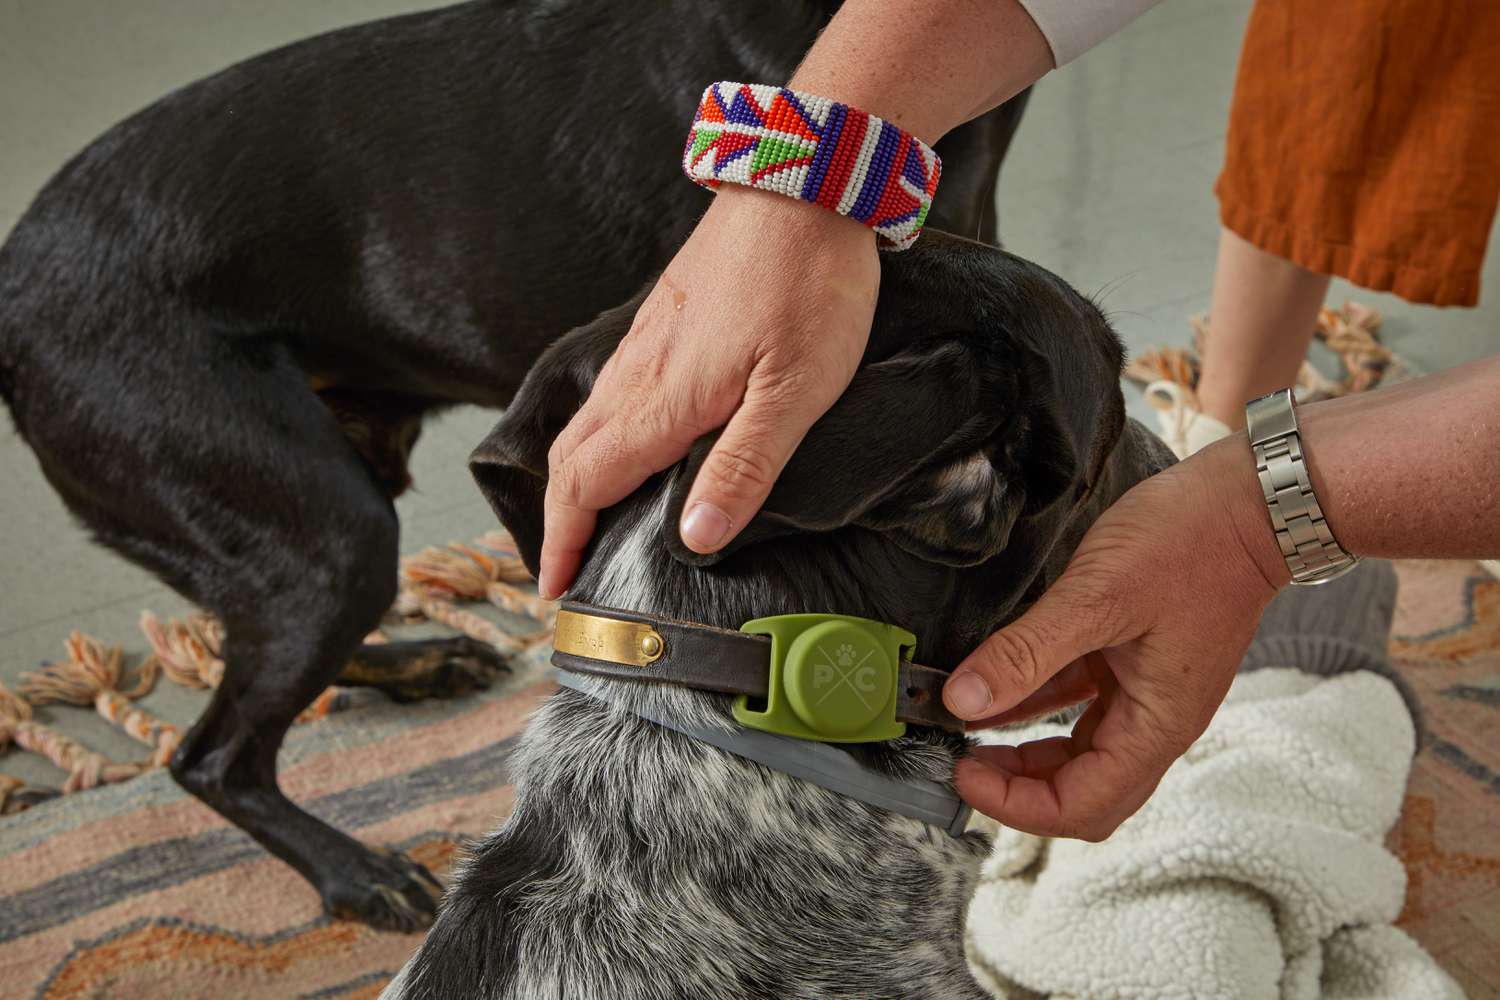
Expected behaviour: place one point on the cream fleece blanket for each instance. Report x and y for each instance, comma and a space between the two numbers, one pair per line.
1257, 869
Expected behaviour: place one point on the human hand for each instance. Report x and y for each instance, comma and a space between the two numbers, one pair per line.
1150, 618
756, 326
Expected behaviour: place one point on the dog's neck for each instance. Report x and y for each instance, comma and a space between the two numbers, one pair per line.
698, 872
735, 879
822, 764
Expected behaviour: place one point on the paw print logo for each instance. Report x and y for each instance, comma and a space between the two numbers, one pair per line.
845, 655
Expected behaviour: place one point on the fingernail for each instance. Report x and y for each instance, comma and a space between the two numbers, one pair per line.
967, 695
705, 526
544, 587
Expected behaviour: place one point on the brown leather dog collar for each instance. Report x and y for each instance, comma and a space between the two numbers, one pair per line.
629, 645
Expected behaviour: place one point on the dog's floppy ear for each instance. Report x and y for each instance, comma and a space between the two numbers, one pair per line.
943, 446
510, 465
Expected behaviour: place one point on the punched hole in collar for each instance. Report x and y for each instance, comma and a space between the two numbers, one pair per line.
917, 695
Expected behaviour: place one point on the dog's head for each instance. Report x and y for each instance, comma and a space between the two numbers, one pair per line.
981, 435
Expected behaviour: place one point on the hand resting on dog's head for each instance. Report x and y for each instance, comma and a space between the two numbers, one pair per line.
983, 432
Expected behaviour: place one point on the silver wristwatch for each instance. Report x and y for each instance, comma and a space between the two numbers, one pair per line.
1306, 542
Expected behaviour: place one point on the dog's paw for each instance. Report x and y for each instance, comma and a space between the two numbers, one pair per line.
433, 668
386, 890
461, 667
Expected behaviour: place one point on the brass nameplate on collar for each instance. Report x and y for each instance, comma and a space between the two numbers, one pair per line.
629, 643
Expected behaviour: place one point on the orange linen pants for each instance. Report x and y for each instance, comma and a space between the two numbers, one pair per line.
1364, 141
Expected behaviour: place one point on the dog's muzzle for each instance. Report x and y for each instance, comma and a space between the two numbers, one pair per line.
803, 683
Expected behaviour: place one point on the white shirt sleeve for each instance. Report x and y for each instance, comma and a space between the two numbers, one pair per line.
1072, 27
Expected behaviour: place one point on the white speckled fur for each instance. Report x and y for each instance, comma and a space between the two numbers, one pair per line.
677, 870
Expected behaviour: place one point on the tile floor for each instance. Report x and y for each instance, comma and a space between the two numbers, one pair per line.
1109, 184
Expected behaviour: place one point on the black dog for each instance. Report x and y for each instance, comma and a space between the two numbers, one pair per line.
983, 433
222, 324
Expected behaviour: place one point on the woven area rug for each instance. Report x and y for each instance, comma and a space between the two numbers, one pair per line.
136, 890
1447, 644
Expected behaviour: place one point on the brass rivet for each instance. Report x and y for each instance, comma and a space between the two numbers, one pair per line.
651, 644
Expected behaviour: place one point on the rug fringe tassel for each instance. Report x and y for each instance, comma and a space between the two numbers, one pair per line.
447, 613
521, 602
1352, 333
187, 650
94, 674
466, 570
85, 767
485, 571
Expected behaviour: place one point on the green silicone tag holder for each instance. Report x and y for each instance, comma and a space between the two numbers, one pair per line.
834, 678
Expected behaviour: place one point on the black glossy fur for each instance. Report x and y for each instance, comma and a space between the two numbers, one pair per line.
223, 322
982, 435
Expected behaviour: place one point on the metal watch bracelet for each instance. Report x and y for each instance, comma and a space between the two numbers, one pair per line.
1311, 552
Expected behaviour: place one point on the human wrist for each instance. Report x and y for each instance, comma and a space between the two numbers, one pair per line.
1227, 469
1328, 429
793, 219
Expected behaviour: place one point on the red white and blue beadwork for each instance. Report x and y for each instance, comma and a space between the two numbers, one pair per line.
817, 150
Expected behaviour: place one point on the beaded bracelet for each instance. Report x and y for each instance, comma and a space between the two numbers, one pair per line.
817, 150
